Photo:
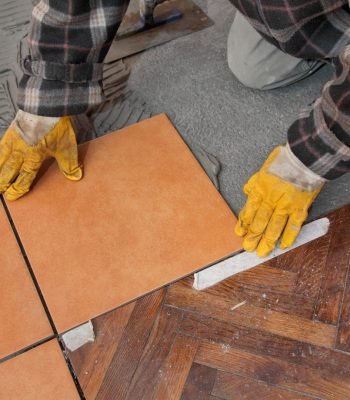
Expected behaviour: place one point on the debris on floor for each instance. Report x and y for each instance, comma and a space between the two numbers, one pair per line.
77, 337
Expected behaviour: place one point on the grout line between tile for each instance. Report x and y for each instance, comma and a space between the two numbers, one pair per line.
71, 369
30, 269
43, 302
25, 349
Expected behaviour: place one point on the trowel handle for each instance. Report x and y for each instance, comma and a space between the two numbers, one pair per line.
147, 10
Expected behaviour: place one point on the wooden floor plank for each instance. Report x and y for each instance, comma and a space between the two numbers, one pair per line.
227, 386
266, 278
267, 286
282, 324
286, 302
273, 371
308, 262
262, 343
175, 370
343, 339
337, 264
149, 371
131, 347
200, 382
91, 362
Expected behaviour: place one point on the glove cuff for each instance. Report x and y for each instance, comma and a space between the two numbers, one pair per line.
33, 127
289, 168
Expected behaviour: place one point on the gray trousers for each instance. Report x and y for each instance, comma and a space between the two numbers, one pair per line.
260, 65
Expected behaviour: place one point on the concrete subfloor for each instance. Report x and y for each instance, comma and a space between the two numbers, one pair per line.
189, 80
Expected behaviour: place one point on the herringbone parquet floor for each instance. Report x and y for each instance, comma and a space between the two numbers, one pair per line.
288, 339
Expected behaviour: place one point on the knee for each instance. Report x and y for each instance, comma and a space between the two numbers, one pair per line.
246, 56
248, 75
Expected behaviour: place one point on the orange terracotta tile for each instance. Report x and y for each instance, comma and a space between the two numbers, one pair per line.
23, 320
144, 215
39, 374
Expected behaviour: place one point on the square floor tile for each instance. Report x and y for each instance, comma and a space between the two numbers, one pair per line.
144, 215
23, 320
38, 374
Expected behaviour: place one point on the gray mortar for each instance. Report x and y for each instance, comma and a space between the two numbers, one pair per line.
14, 22
189, 79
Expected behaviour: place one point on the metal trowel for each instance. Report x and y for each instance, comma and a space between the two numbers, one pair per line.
149, 23
147, 19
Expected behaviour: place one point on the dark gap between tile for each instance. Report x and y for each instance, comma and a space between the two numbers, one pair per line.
26, 260
42, 299
25, 349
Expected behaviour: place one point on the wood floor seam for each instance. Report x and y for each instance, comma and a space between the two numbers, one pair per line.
187, 311
159, 343
155, 321
335, 270
274, 370
149, 302
267, 325
239, 349
273, 385
346, 286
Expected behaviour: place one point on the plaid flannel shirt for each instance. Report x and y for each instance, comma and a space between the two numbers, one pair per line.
68, 40
313, 29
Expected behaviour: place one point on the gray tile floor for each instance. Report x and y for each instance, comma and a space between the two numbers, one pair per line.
190, 80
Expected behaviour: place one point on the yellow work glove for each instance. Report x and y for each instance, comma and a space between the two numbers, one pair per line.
20, 161
277, 208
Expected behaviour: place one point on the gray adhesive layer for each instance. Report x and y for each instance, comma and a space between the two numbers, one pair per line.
14, 22
189, 78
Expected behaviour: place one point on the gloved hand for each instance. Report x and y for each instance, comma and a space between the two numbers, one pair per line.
279, 196
27, 143
147, 9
